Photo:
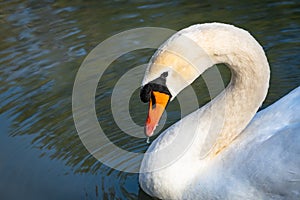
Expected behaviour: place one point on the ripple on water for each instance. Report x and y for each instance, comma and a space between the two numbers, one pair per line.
42, 46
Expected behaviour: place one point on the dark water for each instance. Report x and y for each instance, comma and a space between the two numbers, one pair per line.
43, 43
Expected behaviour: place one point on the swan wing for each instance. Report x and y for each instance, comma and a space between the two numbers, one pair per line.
269, 156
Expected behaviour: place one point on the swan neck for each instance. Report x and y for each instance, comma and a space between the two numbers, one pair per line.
243, 96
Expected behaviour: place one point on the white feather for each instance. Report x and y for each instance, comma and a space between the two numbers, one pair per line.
223, 150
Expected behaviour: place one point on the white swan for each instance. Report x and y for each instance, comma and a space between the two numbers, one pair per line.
222, 150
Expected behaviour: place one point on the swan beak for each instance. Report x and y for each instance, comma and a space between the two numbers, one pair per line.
157, 105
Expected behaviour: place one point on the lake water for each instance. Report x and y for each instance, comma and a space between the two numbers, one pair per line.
43, 44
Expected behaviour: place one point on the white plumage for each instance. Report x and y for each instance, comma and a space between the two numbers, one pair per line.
223, 150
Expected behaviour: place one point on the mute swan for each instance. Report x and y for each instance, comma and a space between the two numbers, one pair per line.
229, 151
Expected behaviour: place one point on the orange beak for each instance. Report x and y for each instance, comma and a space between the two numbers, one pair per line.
157, 105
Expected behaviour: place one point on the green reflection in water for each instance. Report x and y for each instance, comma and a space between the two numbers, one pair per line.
43, 44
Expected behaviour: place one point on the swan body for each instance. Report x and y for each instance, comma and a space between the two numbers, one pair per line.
224, 150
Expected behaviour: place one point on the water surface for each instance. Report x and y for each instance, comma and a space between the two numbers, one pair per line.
43, 44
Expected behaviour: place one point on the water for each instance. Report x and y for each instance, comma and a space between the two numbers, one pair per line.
43, 44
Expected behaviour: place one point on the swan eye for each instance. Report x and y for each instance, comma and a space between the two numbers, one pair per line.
146, 91
158, 85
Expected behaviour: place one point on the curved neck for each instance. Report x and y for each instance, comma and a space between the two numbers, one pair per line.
243, 96
239, 102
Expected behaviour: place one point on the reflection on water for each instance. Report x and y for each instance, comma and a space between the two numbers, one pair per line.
42, 46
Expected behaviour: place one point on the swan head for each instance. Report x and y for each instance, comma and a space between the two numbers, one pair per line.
174, 66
